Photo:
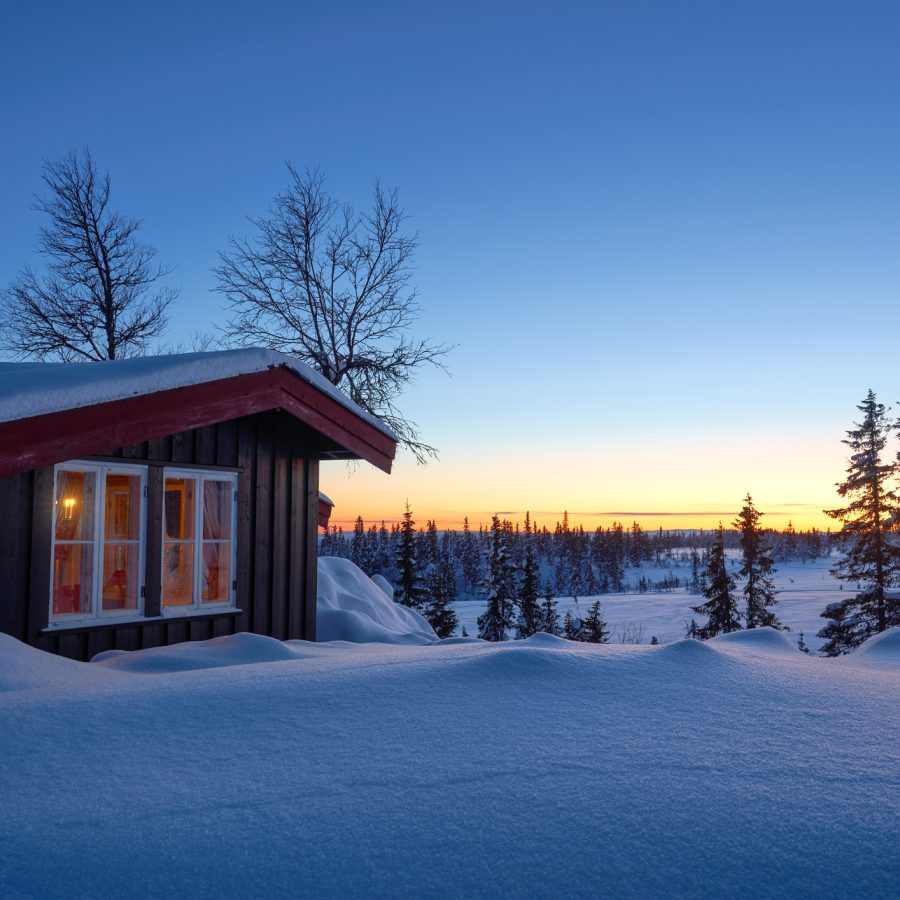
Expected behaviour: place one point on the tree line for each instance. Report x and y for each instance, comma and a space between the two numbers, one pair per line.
517, 569
583, 564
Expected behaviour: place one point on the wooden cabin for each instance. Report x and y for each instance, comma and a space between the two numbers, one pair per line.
151, 501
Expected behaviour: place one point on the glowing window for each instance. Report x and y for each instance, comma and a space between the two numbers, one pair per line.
98, 541
198, 541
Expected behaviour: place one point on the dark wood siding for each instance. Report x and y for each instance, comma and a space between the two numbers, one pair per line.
16, 501
276, 458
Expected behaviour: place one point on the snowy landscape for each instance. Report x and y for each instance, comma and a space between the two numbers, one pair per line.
250, 767
804, 589
648, 583
441, 453
413, 767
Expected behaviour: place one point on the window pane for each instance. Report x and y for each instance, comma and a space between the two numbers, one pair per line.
75, 506
216, 584
217, 498
178, 574
72, 579
179, 509
123, 507
120, 576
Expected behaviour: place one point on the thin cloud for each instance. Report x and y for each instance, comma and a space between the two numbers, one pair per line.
577, 514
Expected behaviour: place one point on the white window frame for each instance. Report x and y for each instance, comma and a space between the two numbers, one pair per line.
198, 607
97, 613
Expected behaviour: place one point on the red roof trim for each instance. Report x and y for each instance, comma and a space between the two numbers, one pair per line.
325, 508
41, 440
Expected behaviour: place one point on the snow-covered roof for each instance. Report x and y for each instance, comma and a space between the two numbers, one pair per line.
33, 389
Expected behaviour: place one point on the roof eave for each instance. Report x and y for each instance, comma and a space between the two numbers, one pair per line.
38, 441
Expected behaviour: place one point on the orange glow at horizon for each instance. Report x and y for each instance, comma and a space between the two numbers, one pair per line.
680, 487
649, 521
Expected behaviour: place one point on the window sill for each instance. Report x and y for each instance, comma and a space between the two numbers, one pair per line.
99, 625
195, 612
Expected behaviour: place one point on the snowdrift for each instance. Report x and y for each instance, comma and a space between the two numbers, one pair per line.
23, 667
881, 650
761, 640
503, 763
353, 607
232, 650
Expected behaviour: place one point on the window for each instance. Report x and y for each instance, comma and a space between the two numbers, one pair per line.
198, 541
98, 541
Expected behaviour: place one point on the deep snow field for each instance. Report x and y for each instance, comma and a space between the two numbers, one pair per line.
245, 767
804, 590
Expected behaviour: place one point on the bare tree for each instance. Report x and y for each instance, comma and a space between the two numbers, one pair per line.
332, 287
95, 299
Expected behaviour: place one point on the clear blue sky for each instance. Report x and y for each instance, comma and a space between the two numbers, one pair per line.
655, 229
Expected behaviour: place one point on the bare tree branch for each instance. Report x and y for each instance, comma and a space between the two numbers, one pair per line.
333, 287
94, 300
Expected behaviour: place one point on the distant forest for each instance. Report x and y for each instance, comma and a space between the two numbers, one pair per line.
572, 562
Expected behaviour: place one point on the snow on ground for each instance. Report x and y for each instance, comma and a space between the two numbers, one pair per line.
804, 590
739, 768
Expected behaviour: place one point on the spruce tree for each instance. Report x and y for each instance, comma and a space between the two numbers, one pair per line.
595, 629
530, 619
758, 568
572, 630
441, 596
720, 607
411, 590
696, 583
498, 617
471, 558
358, 553
845, 629
549, 618
872, 558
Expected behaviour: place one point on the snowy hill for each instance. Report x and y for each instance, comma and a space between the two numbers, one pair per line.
244, 767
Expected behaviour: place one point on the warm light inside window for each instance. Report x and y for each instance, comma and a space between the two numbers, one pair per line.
121, 544
97, 541
197, 540
73, 553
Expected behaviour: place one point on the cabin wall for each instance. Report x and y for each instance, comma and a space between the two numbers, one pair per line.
277, 515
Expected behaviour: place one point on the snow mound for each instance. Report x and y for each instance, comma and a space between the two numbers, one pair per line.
524, 660
384, 584
447, 642
23, 667
767, 640
232, 650
353, 607
688, 649
542, 639
880, 649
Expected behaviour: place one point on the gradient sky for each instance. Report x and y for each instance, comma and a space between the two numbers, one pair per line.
663, 235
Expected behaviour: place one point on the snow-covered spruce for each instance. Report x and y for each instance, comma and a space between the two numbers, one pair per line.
872, 557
